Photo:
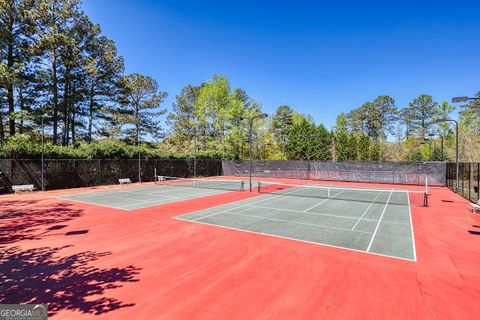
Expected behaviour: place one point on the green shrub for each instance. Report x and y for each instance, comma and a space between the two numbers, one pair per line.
23, 146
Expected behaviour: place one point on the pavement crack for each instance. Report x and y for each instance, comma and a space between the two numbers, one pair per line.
331, 298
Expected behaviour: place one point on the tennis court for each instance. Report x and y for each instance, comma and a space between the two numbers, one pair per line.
166, 190
367, 220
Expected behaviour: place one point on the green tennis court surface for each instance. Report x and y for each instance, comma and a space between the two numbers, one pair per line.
163, 192
373, 221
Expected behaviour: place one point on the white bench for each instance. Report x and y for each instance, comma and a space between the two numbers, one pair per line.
160, 178
475, 207
23, 188
124, 181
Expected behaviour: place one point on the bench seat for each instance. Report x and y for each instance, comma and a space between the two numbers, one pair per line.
474, 207
124, 181
23, 188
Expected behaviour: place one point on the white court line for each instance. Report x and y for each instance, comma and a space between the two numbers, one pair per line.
186, 197
133, 199
379, 221
361, 217
411, 228
155, 194
322, 214
310, 213
89, 203
293, 239
137, 202
291, 221
279, 196
322, 202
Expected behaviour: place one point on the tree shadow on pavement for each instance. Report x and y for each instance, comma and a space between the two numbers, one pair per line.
24, 219
72, 282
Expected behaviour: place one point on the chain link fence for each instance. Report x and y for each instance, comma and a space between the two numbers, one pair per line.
412, 173
468, 179
76, 173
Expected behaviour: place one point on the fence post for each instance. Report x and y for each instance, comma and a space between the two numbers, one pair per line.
478, 181
470, 181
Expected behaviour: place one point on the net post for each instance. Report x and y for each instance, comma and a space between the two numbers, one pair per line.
426, 185
155, 175
426, 192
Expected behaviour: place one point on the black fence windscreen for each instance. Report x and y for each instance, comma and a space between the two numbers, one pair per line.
412, 173
468, 179
75, 173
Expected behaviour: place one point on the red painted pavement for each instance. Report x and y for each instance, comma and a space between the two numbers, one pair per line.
90, 262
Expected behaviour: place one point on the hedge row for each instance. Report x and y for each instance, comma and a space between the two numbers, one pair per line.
25, 147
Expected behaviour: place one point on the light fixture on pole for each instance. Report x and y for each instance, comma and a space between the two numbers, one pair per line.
309, 135
432, 135
258, 116
456, 146
44, 116
463, 99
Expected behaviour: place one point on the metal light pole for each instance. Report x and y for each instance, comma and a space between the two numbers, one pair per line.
434, 145
45, 115
194, 152
456, 146
139, 157
308, 135
463, 99
250, 133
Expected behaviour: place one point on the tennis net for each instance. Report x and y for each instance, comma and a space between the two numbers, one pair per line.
218, 184
390, 196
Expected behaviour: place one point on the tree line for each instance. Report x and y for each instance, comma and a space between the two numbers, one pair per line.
55, 64
57, 67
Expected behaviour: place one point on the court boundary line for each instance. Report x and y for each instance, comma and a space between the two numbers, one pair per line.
306, 212
141, 202
240, 206
323, 214
130, 191
177, 198
292, 239
291, 221
364, 213
322, 202
89, 203
379, 221
411, 228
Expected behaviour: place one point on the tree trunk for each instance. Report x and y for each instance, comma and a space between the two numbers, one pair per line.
72, 119
10, 97
22, 108
74, 141
90, 114
2, 132
55, 95
65, 109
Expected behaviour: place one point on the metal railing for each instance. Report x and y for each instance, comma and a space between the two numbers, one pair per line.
468, 179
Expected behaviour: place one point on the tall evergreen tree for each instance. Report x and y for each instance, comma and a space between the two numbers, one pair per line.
17, 28
55, 17
421, 110
343, 148
282, 124
140, 99
103, 69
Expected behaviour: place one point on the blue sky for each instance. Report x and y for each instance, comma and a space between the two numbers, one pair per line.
320, 57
